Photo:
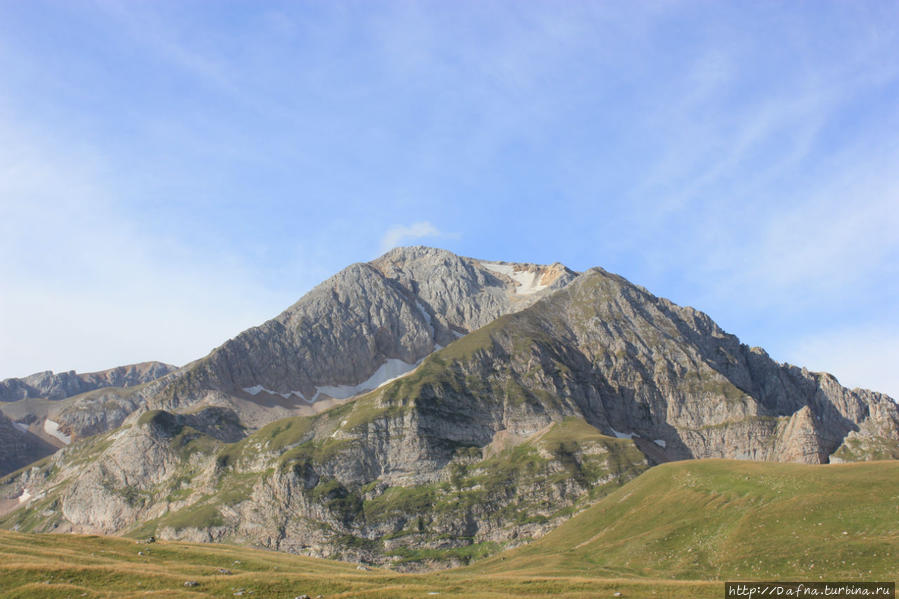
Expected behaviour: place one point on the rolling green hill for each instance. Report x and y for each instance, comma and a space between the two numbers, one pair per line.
722, 519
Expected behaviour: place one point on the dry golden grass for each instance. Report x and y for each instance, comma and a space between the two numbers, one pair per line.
60, 566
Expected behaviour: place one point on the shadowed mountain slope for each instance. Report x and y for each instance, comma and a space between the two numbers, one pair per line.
19, 447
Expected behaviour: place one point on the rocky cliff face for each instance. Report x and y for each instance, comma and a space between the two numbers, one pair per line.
294, 486
635, 366
567, 386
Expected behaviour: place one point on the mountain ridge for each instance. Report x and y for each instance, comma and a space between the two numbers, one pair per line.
55, 386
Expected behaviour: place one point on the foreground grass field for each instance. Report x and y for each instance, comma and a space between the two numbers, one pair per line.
677, 531
60, 566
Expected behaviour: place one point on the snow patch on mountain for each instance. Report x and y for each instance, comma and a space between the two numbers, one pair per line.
528, 281
624, 435
257, 389
390, 370
52, 429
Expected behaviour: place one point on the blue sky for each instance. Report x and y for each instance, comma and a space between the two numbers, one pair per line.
175, 172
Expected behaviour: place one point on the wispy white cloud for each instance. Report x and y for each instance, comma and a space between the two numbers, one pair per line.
145, 27
401, 234
756, 197
830, 243
87, 287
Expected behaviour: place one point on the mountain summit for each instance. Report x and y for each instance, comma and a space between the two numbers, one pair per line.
365, 325
426, 408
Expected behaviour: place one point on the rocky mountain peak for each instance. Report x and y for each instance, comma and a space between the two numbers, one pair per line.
363, 326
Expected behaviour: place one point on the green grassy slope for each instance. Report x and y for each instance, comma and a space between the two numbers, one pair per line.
722, 519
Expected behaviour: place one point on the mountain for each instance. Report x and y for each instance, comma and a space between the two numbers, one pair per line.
520, 394
369, 323
637, 366
45, 411
56, 386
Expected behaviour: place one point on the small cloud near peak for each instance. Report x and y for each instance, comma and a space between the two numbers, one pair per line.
402, 234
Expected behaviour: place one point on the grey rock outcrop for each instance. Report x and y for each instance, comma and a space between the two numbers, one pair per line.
284, 488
